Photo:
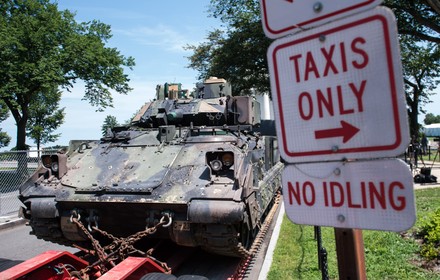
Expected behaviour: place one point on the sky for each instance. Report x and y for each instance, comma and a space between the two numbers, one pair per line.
154, 33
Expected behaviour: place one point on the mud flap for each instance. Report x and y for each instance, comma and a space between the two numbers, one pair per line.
215, 211
43, 207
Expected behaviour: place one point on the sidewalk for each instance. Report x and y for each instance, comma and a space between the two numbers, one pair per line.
11, 220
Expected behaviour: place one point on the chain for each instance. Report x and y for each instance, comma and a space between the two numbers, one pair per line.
122, 247
95, 243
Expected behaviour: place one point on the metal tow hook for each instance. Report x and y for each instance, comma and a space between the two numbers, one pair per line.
75, 215
90, 220
166, 215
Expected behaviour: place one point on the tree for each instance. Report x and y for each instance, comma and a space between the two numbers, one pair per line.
109, 122
420, 72
239, 52
4, 139
419, 30
45, 117
4, 114
430, 119
42, 48
419, 19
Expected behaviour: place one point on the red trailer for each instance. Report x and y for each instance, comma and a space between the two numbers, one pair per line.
61, 265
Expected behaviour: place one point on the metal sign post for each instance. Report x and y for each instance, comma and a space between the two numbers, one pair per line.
350, 254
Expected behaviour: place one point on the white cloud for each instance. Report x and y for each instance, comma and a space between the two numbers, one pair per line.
161, 36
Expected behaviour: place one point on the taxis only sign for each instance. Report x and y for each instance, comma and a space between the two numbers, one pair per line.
338, 89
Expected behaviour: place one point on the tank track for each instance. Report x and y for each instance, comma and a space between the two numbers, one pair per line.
223, 240
49, 230
247, 262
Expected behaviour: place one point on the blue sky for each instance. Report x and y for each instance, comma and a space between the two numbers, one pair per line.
154, 33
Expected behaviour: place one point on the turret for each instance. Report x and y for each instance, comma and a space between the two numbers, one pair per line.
213, 105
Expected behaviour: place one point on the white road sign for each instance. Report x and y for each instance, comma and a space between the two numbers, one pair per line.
338, 90
374, 195
283, 17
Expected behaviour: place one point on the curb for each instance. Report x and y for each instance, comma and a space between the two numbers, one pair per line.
11, 222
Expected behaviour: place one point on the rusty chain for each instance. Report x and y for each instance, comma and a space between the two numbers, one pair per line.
95, 243
123, 247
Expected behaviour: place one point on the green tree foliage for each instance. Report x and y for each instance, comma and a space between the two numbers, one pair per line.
421, 74
419, 29
419, 19
4, 114
42, 48
431, 118
109, 123
4, 139
45, 117
238, 52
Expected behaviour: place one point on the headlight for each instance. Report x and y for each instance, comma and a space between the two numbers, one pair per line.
47, 161
228, 159
219, 161
55, 167
56, 163
216, 165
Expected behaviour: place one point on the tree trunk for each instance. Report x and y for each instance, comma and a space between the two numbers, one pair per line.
413, 117
21, 134
22, 170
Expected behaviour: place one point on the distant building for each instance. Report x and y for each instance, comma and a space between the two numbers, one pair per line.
432, 130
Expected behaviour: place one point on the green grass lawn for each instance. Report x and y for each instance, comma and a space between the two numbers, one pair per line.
388, 255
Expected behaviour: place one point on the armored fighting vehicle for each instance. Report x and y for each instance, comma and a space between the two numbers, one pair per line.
199, 165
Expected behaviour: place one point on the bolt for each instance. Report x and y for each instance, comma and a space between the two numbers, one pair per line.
341, 218
337, 171
317, 7
335, 149
321, 38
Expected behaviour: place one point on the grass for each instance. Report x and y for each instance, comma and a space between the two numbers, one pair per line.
388, 255
431, 157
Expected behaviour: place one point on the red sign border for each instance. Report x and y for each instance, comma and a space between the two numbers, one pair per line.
399, 169
393, 88
310, 21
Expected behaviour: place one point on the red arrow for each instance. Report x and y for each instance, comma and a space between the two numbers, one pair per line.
347, 131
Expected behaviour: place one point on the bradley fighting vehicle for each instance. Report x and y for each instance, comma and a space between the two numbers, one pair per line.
198, 163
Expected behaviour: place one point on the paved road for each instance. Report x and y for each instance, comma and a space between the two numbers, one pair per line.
17, 245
